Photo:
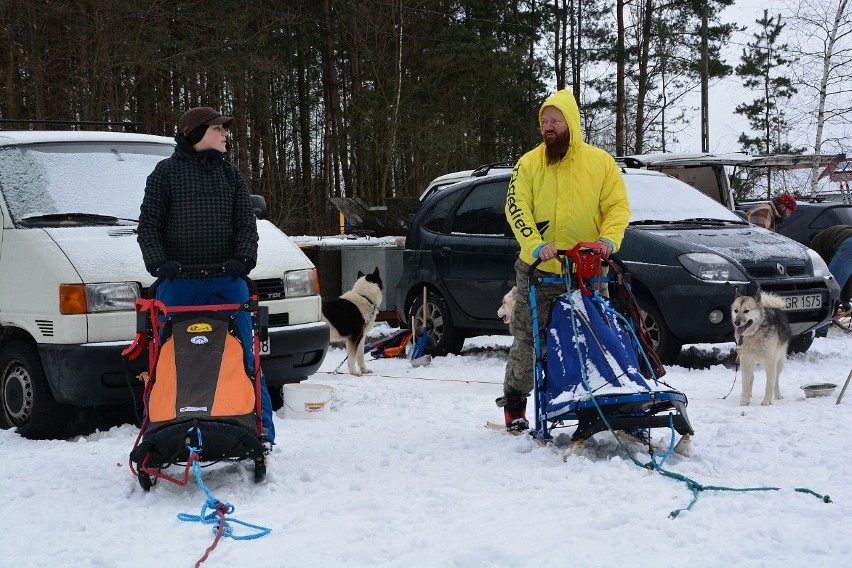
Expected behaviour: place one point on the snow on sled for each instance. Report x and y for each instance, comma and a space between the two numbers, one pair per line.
200, 402
596, 370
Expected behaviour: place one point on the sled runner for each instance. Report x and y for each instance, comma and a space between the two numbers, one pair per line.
200, 402
596, 369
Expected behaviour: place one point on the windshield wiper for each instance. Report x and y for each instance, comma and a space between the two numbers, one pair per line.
693, 220
60, 219
711, 221
652, 222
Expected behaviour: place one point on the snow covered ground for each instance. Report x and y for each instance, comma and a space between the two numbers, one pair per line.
401, 472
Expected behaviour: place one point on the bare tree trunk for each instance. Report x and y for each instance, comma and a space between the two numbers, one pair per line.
823, 89
576, 48
705, 79
642, 87
619, 79
304, 116
388, 174
329, 90
560, 31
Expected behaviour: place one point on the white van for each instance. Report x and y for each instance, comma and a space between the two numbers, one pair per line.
71, 270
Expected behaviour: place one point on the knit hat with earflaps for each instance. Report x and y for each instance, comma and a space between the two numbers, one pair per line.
787, 200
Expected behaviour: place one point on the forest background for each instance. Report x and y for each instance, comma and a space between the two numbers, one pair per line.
374, 98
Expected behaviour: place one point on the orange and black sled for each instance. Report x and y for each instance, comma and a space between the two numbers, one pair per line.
201, 404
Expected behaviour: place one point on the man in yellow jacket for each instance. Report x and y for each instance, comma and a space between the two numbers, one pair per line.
562, 192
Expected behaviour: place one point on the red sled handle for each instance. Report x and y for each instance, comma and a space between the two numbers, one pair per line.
587, 257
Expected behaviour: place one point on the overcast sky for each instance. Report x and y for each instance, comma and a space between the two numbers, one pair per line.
725, 95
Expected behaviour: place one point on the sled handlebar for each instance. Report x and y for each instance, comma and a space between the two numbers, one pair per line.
205, 270
580, 249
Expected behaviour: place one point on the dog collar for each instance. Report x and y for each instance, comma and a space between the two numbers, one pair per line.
369, 301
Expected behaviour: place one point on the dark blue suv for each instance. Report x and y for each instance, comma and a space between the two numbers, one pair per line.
685, 252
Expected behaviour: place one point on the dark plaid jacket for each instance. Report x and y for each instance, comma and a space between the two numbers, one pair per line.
196, 210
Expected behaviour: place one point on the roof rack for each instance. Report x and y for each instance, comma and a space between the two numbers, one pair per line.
484, 169
126, 126
630, 162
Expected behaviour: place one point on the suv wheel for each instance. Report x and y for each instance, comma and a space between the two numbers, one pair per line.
665, 343
444, 337
26, 402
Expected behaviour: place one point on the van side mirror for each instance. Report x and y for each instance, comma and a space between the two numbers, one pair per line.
258, 205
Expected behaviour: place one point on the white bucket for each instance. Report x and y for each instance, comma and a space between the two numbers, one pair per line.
306, 399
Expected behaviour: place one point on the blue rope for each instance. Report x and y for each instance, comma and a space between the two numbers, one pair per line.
212, 518
695, 487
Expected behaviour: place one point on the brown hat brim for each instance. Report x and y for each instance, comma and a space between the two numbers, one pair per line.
225, 121
198, 116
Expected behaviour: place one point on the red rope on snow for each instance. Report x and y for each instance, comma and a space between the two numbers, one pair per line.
420, 378
221, 511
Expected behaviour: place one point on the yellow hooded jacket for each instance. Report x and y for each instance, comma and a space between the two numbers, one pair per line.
582, 198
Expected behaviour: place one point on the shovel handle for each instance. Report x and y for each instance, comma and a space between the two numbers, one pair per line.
424, 306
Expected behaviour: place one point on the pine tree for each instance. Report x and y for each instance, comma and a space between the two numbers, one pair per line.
764, 62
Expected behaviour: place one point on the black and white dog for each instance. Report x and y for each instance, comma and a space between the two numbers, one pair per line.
352, 315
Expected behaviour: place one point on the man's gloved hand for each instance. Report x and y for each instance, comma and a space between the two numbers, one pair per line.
603, 248
168, 270
235, 268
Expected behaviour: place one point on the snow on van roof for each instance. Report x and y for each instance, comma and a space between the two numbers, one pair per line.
14, 137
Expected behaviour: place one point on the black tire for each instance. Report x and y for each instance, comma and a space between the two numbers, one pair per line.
259, 470
276, 395
26, 402
444, 337
666, 345
801, 343
145, 481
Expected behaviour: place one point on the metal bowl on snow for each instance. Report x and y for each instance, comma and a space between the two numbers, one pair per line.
818, 389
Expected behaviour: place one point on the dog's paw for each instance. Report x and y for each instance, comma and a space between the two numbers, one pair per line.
766, 402
744, 401
355, 372
366, 371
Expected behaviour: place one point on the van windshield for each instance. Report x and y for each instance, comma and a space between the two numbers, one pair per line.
87, 182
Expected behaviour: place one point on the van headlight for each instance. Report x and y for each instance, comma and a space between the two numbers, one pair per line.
97, 298
820, 267
711, 267
299, 283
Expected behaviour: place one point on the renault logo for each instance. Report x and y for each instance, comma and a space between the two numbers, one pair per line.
780, 268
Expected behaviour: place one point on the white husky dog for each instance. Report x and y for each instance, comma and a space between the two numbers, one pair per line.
507, 306
352, 315
762, 335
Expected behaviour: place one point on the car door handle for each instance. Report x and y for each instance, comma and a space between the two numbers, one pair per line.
446, 251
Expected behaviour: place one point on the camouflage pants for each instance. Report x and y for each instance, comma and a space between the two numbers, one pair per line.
520, 367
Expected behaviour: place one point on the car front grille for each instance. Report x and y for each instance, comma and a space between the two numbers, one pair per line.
278, 320
770, 270
270, 288
267, 289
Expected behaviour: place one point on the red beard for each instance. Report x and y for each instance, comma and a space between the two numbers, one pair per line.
557, 147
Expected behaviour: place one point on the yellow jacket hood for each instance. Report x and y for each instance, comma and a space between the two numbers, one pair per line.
564, 101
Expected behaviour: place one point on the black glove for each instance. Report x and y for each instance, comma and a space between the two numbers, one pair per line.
168, 270
235, 268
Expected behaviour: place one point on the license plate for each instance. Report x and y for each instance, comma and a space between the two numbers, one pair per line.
265, 347
802, 302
